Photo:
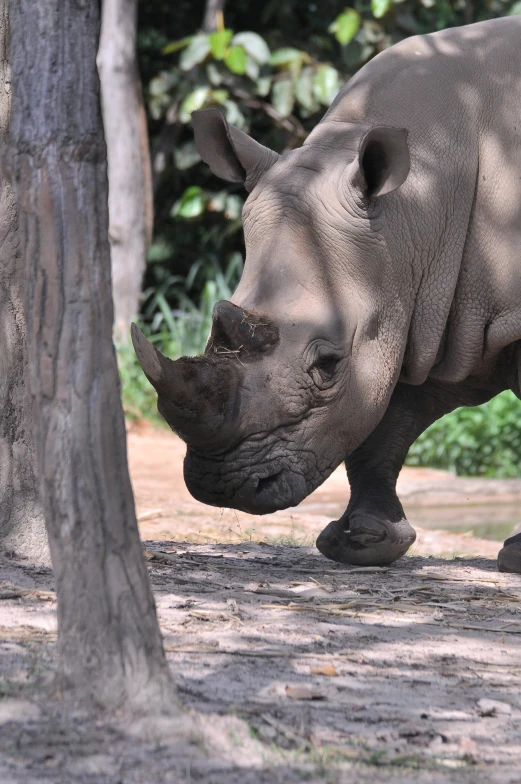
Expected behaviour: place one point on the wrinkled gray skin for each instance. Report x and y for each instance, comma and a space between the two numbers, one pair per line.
382, 289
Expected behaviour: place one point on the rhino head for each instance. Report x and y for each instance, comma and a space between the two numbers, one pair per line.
300, 364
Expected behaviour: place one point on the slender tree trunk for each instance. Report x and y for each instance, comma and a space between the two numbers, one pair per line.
130, 178
22, 526
109, 641
211, 13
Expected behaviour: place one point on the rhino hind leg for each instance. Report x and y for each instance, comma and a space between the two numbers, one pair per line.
509, 557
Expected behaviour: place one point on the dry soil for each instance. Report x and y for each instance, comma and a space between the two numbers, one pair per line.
296, 669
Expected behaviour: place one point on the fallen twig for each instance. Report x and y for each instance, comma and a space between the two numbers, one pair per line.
475, 628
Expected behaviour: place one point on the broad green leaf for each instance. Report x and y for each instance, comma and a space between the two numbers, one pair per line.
254, 45
515, 9
195, 52
217, 201
233, 207
380, 7
326, 84
285, 56
219, 42
283, 96
219, 96
263, 86
186, 155
191, 204
159, 251
214, 74
162, 83
345, 26
234, 114
252, 68
304, 90
174, 46
193, 101
237, 60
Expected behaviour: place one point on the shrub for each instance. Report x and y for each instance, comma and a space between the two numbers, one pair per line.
481, 441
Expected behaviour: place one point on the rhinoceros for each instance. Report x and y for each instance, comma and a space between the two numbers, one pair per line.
381, 289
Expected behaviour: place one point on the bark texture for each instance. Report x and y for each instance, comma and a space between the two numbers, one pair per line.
109, 641
129, 168
22, 526
211, 13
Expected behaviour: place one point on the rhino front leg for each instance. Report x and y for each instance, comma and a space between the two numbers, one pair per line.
374, 531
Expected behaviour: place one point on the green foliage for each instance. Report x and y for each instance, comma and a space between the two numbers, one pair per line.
345, 26
380, 7
482, 441
219, 43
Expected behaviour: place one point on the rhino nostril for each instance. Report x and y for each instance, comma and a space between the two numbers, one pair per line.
267, 483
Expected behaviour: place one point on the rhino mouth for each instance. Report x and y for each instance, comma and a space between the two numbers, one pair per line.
248, 489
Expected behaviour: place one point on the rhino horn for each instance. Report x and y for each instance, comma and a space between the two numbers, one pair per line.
148, 356
196, 395
239, 331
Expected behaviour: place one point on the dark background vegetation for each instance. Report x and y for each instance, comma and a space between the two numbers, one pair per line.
272, 68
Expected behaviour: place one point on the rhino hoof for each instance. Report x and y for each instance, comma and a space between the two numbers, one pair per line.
509, 558
364, 540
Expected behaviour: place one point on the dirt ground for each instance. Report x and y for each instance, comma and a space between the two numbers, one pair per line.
296, 669
434, 500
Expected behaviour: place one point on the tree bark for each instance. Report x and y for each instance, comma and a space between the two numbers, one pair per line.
22, 528
109, 643
130, 178
211, 13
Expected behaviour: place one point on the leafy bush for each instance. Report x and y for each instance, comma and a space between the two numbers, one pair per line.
481, 441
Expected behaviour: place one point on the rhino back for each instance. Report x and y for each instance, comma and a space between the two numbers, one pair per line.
457, 219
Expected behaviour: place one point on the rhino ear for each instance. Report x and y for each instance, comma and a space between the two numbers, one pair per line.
382, 163
230, 153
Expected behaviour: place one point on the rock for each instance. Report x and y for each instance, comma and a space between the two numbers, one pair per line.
166, 729
494, 708
93, 765
18, 710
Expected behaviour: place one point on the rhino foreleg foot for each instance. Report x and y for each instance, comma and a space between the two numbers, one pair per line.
373, 531
361, 539
509, 558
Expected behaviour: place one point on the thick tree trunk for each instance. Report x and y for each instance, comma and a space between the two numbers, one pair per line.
130, 179
22, 526
108, 638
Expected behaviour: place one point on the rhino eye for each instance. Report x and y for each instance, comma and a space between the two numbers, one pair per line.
326, 366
